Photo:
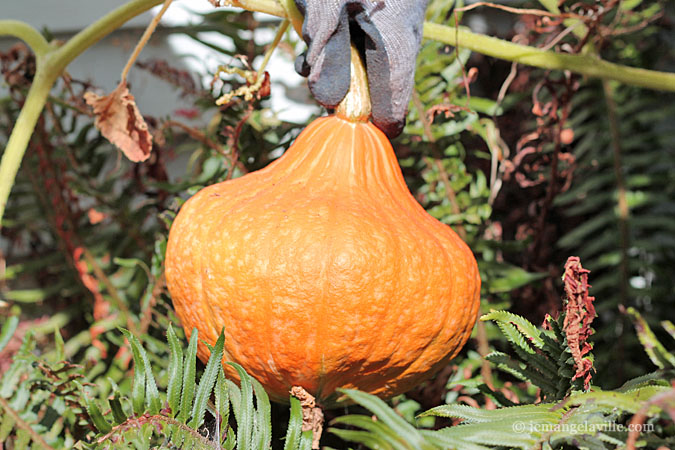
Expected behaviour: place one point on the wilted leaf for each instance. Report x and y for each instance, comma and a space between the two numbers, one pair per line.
579, 313
120, 121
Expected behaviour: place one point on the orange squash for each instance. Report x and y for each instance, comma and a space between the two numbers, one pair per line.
322, 268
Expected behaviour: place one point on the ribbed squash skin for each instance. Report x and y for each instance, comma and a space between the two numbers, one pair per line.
323, 270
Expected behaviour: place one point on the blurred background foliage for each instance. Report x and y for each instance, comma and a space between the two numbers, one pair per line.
528, 166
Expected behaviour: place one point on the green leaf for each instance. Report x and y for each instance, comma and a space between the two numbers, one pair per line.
502, 277
519, 370
117, 410
6, 426
306, 440
35, 295
12, 376
524, 326
231, 441
97, 418
222, 400
377, 428
142, 366
22, 438
263, 418
506, 433
131, 263
207, 382
8, 329
654, 348
294, 431
669, 327
631, 401
542, 411
189, 373
656, 378
244, 418
450, 442
389, 417
59, 344
138, 387
173, 388
362, 437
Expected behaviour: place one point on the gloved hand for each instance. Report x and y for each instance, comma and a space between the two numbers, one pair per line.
389, 32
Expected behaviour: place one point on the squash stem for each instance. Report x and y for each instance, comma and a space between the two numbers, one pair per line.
355, 107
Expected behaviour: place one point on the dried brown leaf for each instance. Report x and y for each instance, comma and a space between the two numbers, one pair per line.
579, 313
120, 121
312, 416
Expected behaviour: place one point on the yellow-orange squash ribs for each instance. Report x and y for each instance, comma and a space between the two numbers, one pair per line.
323, 270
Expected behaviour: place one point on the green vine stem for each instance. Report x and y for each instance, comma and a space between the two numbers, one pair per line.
22, 131
582, 64
51, 61
26, 33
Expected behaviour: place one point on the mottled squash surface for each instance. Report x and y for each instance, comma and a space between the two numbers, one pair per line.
323, 270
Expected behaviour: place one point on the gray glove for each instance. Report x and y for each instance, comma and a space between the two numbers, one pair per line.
388, 32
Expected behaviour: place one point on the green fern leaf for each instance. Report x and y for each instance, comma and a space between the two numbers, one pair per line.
666, 324
654, 348
222, 402
173, 389
22, 438
97, 418
389, 417
496, 396
116, 408
362, 437
262, 438
444, 441
630, 401
506, 433
515, 368
526, 353
306, 440
8, 329
245, 416
542, 411
294, 431
658, 378
206, 383
377, 428
12, 376
147, 392
531, 332
189, 374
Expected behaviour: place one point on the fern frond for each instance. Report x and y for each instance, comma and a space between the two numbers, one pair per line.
542, 411
528, 330
654, 348
389, 417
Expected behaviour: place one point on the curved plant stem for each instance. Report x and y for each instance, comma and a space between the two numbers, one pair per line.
98, 30
26, 33
293, 15
144, 39
270, 50
531, 56
23, 129
271, 7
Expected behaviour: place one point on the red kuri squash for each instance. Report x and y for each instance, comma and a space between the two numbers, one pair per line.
322, 268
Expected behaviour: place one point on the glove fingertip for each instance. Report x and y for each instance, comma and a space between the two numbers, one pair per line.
301, 65
330, 90
389, 126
